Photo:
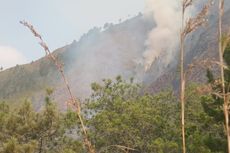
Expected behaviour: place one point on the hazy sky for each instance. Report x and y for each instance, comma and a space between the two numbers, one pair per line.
59, 22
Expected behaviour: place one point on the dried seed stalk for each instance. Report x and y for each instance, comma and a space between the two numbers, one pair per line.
59, 67
196, 22
190, 26
185, 4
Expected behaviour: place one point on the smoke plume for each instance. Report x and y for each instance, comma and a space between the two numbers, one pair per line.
163, 39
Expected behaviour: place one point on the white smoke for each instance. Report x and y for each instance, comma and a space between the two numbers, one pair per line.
163, 39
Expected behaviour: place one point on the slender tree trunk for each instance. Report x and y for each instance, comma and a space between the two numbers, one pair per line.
221, 51
182, 85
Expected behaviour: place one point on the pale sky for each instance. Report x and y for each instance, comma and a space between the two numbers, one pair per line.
59, 21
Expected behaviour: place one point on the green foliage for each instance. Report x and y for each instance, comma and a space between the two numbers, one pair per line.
120, 115
119, 118
213, 108
12, 145
24, 130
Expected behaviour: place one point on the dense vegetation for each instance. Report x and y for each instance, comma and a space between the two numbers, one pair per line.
25, 131
120, 118
150, 123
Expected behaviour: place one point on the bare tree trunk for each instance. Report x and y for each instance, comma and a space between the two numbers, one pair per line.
221, 51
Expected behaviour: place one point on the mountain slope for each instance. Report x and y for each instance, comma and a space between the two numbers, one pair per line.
106, 53
101, 53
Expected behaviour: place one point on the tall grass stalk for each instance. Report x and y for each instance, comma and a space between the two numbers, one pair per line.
221, 53
190, 26
59, 66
